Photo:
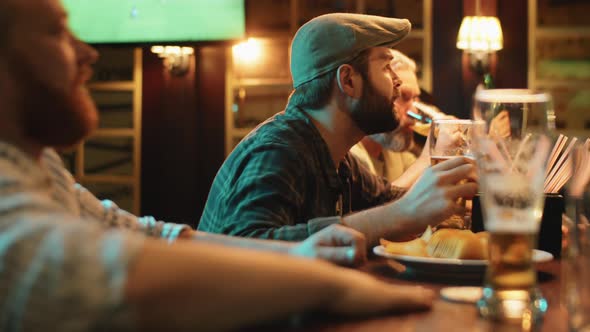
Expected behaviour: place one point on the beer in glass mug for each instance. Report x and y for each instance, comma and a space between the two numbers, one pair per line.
450, 138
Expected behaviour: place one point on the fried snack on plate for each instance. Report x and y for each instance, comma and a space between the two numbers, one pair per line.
415, 247
427, 234
444, 243
457, 243
483, 237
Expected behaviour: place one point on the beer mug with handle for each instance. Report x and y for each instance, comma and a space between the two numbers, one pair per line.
511, 144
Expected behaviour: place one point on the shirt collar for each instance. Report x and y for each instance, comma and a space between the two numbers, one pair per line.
14, 159
323, 152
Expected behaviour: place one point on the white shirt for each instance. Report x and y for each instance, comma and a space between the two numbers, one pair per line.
391, 167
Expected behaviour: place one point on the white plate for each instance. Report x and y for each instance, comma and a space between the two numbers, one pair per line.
449, 266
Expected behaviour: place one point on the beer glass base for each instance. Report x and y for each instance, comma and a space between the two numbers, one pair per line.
521, 306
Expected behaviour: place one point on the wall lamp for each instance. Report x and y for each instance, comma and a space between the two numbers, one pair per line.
176, 58
480, 36
248, 52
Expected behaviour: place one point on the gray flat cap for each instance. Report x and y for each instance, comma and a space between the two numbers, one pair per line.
330, 40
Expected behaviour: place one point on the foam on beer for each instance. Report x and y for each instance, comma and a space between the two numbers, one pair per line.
513, 204
495, 224
511, 96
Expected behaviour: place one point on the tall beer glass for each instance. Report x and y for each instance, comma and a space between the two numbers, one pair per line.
511, 145
450, 138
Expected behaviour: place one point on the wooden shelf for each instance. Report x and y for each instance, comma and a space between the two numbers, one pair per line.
114, 132
251, 82
132, 87
114, 179
548, 46
112, 86
554, 83
558, 32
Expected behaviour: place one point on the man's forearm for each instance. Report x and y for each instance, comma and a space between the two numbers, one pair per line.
267, 227
385, 221
412, 174
266, 245
190, 285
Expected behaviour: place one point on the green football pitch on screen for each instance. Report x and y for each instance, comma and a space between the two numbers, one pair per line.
136, 21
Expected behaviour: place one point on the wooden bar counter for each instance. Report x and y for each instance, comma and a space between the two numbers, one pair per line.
444, 315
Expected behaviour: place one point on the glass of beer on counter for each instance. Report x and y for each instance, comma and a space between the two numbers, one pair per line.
511, 144
450, 138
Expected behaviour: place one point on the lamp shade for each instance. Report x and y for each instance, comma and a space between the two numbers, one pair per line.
480, 34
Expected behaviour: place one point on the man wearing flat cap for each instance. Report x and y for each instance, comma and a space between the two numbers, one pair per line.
293, 175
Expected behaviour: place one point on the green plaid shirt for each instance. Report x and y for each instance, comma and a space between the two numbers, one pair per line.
281, 183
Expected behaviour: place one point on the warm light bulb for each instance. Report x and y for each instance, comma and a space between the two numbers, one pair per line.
164, 51
176, 58
248, 51
187, 50
480, 34
159, 50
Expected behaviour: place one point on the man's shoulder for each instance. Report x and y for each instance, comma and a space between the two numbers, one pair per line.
283, 131
279, 146
287, 125
49, 155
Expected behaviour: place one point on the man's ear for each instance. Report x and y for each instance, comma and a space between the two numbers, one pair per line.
347, 80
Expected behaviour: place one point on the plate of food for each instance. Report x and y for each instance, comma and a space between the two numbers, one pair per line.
446, 252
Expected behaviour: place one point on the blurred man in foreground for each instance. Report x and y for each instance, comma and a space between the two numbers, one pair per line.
70, 262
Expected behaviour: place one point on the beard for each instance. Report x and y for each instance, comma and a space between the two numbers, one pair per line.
374, 112
50, 117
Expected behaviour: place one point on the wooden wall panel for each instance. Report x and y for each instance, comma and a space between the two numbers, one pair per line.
182, 134
446, 58
453, 81
511, 71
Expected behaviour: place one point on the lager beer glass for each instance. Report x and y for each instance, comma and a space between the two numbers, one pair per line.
511, 144
451, 138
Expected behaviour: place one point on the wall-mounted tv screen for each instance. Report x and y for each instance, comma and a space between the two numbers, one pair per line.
155, 21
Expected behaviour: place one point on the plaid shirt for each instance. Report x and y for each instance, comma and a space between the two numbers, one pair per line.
281, 183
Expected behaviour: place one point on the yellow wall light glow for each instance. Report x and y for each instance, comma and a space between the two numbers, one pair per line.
248, 51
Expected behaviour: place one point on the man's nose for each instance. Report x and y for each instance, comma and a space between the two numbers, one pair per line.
86, 54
